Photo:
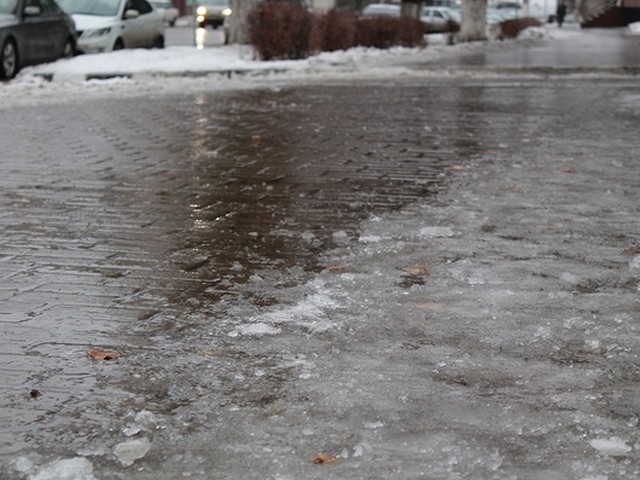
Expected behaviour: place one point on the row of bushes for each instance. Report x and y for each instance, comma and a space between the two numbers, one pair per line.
286, 30
280, 30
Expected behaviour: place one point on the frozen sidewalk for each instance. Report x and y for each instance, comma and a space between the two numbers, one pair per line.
405, 276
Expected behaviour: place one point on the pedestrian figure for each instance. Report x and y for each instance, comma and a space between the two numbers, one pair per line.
561, 11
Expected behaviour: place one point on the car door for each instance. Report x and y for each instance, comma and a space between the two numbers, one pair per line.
137, 31
54, 20
33, 33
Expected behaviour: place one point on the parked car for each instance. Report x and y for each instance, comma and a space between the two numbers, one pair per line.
108, 25
438, 19
212, 12
34, 31
381, 10
508, 6
169, 12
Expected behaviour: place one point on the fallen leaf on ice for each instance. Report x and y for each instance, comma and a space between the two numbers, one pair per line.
567, 170
417, 270
323, 458
338, 268
102, 355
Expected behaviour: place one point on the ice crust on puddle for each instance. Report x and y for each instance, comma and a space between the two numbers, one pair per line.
312, 314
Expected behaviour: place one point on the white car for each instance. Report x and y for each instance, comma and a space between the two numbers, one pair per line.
381, 10
167, 9
107, 25
439, 15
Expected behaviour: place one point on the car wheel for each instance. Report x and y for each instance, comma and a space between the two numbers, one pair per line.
8, 60
69, 49
158, 42
119, 45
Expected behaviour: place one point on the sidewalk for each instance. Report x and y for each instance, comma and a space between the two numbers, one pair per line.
480, 322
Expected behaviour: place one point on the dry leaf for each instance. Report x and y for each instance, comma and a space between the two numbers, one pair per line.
417, 270
323, 458
35, 393
338, 268
567, 170
632, 251
457, 168
102, 355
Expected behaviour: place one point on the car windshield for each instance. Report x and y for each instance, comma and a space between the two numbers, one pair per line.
221, 3
8, 6
107, 8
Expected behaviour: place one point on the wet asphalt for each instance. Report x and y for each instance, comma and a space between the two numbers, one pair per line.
418, 278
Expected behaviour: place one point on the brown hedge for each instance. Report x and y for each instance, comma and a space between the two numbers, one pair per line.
511, 28
284, 30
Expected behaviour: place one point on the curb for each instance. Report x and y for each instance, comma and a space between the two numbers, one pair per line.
227, 73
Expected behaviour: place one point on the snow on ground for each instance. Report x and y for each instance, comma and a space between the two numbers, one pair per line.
176, 69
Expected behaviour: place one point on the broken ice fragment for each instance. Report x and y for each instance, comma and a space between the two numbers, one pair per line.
128, 452
78, 468
437, 232
254, 330
612, 447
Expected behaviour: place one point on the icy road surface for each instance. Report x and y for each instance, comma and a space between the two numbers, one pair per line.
430, 277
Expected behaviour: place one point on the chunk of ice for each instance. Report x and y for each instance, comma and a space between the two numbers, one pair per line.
128, 452
78, 468
437, 232
612, 447
254, 330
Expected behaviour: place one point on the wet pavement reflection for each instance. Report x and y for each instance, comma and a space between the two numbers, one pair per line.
597, 49
276, 177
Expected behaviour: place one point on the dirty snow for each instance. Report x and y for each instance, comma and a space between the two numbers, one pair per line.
179, 69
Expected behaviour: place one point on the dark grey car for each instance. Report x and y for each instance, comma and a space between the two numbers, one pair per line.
33, 31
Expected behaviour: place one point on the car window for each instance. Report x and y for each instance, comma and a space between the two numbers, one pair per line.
8, 6
107, 8
438, 15
222, 3
47, 7
142, 6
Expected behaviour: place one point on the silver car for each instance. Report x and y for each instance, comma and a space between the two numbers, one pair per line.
115, 24
33, 32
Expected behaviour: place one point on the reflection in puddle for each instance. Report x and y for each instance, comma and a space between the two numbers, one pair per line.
274, 175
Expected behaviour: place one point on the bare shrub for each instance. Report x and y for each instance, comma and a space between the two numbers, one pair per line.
280, 30
285, 30
512, 28
334, 31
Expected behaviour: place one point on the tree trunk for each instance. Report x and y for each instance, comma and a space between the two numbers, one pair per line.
474, 20
238, 20
411, 9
